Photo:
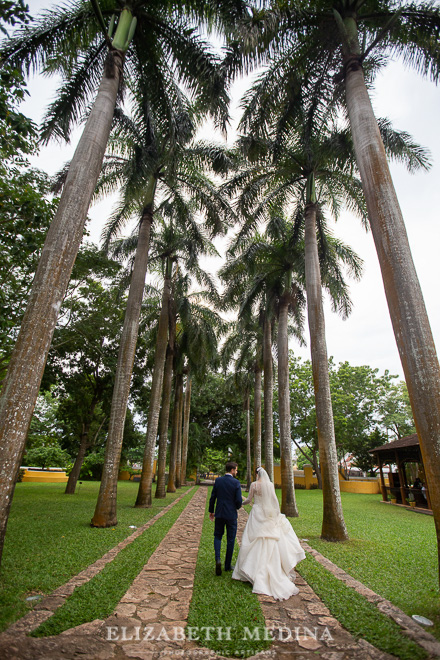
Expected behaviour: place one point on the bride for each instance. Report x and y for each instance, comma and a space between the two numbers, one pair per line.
269, 547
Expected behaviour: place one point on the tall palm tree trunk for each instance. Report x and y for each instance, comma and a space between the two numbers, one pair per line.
402, 288
74, 474
22, 382
247, 413
165, 410
171, 487
185, 437
268, 398
288, 502
105, 512
85, 443
257, 418
144, 493
179, 438
333, 524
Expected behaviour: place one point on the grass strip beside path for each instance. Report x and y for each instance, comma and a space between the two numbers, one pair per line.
98, 598
49, 538
391, 550
361, 618
222, 603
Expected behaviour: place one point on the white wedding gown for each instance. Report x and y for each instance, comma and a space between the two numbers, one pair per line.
269, 551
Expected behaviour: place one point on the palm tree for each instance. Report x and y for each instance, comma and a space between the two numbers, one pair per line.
268, 391
200, 329
177, 248
266, 270
166, 400
310, 152
185, 431
273, 264
236, 350
150, 165
74, 40
346, 42
246, 342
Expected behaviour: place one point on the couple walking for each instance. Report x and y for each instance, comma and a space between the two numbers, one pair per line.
269, 548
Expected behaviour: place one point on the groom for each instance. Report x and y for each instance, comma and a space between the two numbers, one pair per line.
227, 492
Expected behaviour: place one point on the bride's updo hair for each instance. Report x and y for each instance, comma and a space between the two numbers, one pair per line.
257, 471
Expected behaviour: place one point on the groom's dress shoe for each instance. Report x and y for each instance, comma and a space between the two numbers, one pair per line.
218, 568
230, 568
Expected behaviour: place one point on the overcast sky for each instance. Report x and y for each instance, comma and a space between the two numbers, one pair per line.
413, 105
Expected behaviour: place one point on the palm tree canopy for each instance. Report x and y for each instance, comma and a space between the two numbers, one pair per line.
73, 40
310, 36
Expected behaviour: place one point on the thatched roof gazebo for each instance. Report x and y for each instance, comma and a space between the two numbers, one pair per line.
408, 482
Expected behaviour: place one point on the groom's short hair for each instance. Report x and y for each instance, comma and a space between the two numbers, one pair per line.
230, 465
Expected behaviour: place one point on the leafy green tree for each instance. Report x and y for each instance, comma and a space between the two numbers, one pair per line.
47, 456
214, 460
45, 428
358, 395
25, 211
158, 43
82, 358
345, 43
396, 411
303, 412
216, 420
361, 447
364, 405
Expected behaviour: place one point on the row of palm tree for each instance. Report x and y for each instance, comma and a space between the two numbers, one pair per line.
340, 45
141, 46
159, 51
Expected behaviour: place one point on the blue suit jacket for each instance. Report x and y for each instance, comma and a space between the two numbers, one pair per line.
227, 492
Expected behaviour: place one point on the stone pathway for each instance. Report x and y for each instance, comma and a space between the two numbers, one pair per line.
303, 627
149, 622
47, 606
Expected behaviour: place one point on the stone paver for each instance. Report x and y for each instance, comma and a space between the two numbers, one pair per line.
409, 627
150, 621
47, 606
303, 628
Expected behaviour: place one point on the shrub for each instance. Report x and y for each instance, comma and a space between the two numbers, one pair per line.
92, 466
45, 457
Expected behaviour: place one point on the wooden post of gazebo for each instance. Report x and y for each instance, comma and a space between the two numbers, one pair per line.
402, 478
382, 481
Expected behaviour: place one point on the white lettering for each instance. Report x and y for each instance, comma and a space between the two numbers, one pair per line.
179, 634
284, 631
191, 633
163, 632
221, 632
326, 635
112, 630
309, 633
208, 632
252, 635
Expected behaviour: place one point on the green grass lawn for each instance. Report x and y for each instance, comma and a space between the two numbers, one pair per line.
391, 550
233, 603
221, 601
49, 538
98, 598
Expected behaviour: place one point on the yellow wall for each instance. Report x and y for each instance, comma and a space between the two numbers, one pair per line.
305, 478
124, 475
46, 476
367, 487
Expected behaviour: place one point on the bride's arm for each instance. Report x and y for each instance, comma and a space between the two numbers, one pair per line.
249, 498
